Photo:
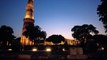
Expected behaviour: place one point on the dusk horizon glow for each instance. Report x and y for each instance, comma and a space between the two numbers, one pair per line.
53, 16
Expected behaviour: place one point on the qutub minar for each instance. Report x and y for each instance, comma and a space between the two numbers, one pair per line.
28, 21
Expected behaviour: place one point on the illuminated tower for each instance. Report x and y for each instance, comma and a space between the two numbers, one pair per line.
28, 21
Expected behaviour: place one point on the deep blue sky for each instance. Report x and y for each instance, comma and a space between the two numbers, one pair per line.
53, 16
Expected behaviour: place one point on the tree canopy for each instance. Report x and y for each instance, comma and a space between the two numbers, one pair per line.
100, 39
102, 12
35, 33
84, 32
32, 31
55, 39
6, 35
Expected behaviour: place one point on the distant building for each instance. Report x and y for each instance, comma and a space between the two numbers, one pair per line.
72, 42
69, 42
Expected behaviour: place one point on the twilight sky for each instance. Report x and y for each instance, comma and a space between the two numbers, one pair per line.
53, 16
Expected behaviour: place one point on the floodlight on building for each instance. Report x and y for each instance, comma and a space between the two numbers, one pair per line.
48, 49
102, 48
34, 49
9, 49
63, 49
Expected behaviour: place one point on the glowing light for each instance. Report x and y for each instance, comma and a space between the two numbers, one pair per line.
34, 49
97, 44
102, 48
26, 41
10, 49
48, 49
63, 49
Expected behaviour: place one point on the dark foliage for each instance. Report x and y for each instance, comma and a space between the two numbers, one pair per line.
101, 40
97, 44
84, 32
6, 35
55, 39
102, 12
34, 33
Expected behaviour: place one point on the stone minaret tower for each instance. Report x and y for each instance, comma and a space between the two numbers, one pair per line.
28, 20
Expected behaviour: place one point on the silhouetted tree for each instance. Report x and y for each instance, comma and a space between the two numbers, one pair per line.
98, 43
6, 35
16, 44
99, 48
84, 32
55, 39
102, 12
41, 37
101, 41
43, 34
91, 47
34, 33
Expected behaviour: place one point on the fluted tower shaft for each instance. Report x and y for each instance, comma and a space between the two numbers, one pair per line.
28, 21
